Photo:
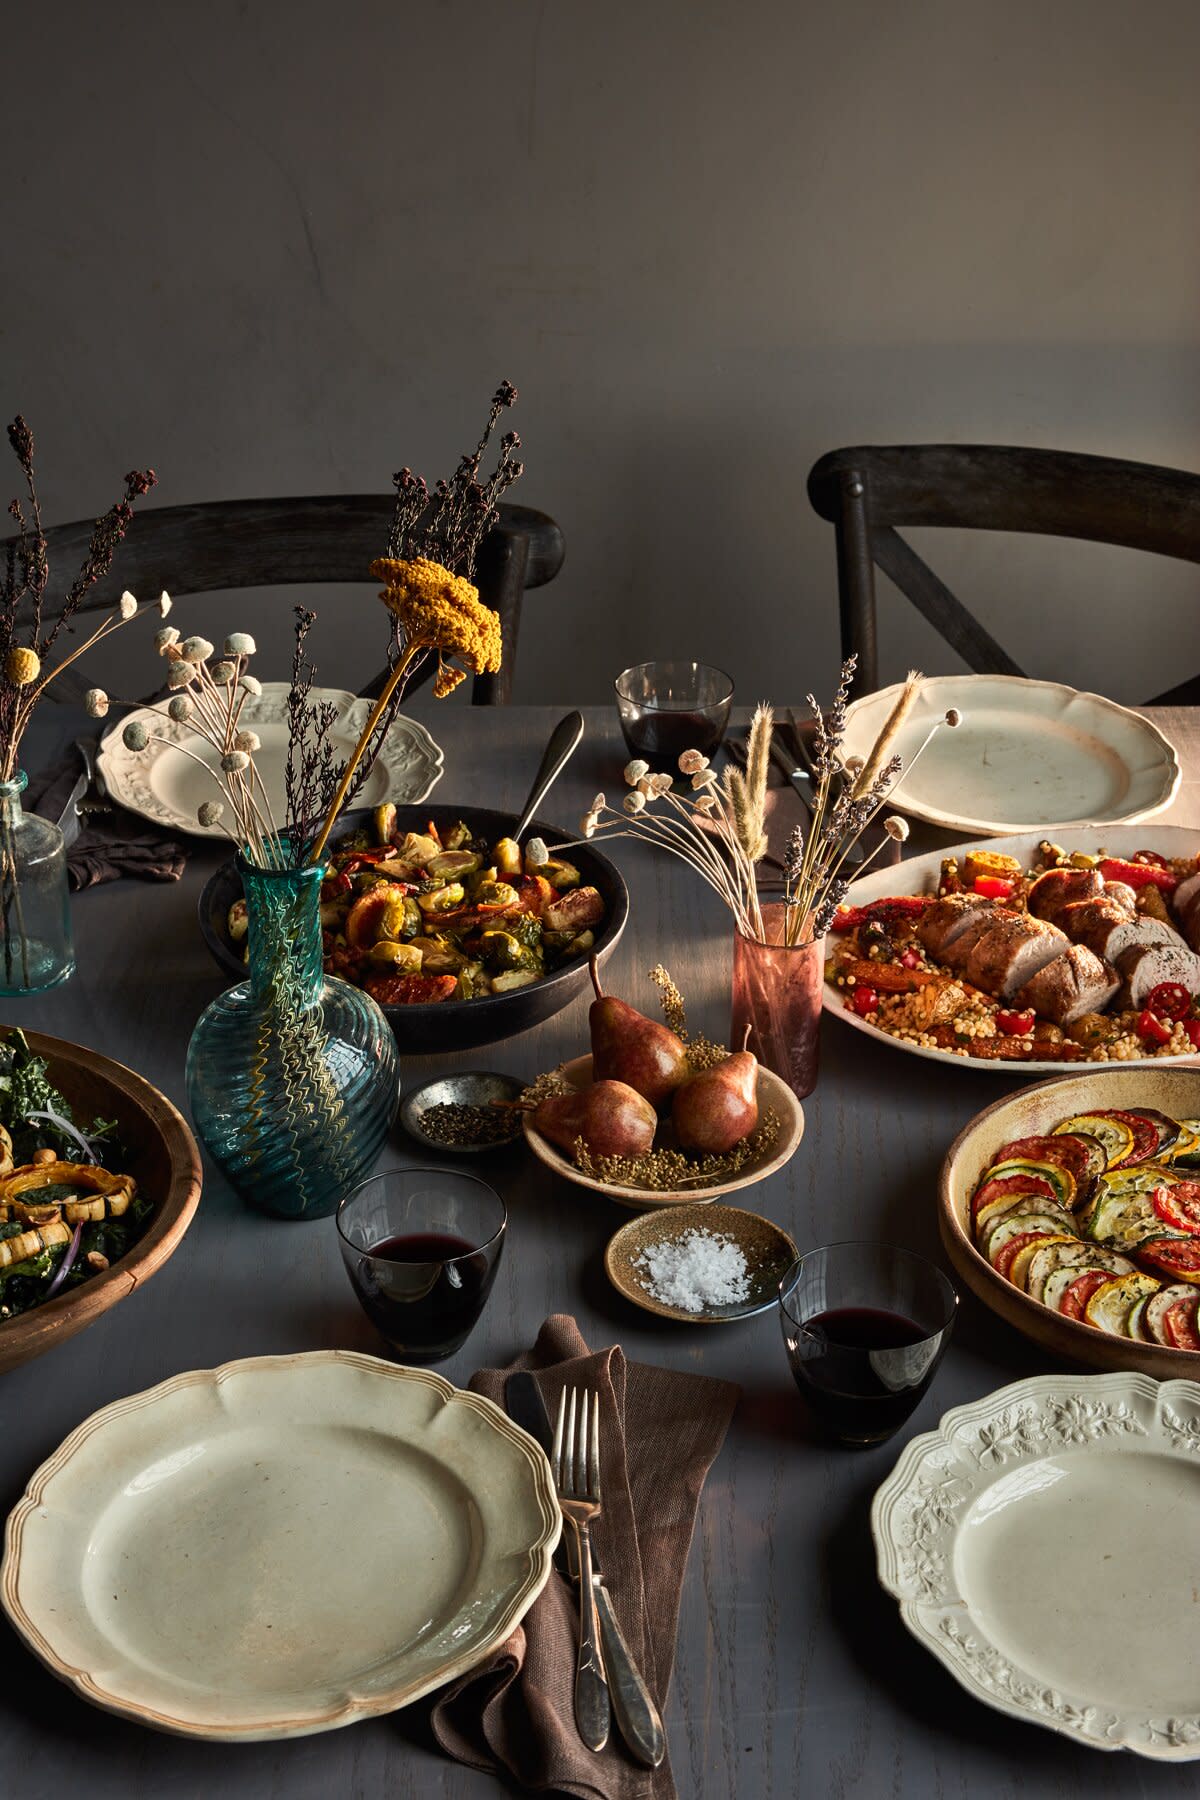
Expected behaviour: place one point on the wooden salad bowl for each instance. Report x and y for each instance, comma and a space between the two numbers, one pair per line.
1029, 1113
159, 1152
773, 1092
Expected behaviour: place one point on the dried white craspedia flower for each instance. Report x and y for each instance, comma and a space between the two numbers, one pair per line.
209, 812
180, 674
953, 717
659, 785
127, 605
180, 708
22, 666
691, 761
135, 736
598, 805
223, 672
896, 828
854, 765
164, 603
588, 824
165, 639
634, 803
707, 803
235, 761
536, 852
635, 770
196, 649
95, 703
704, 778
240, 643
249, 741
251, 684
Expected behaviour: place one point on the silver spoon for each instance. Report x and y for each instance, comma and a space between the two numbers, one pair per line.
564, 740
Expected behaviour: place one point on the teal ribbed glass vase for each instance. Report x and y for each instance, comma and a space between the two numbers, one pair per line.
292, 1076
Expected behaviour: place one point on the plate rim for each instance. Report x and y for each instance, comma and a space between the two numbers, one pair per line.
932, 815
832, 996
658, 1308
1042, 1704
112, 764
316, 1720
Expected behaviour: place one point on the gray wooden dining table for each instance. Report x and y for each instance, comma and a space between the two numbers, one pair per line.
794, 1675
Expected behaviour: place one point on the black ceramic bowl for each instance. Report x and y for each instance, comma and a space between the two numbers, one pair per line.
453, 1024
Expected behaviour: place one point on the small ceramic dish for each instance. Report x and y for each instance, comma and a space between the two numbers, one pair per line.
473, 1088
773, 1094
767, 1248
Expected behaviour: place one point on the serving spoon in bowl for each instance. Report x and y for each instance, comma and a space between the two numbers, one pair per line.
563, 742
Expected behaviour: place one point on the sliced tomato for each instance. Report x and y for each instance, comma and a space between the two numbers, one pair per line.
1169, 1000
1080, 1291
410, 990
1083, 1157
1034, 1185
1177, 1257
1146, 1139
1179, 1205
1179, 1323
1010, 1251
1015, 1024
1151, 1029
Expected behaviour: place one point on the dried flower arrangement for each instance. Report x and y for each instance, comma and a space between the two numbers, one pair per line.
720, 829
433, 609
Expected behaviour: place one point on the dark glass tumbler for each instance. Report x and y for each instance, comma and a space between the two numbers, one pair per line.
666, 708
865, 1326
421, 1248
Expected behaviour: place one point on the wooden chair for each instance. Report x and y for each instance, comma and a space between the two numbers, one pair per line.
868, 492
277, 543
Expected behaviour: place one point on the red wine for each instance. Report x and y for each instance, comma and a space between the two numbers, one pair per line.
422, 1247
424, 1290
660, 738
863, 1370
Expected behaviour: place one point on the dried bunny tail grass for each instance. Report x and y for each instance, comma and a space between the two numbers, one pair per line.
758, 766
881, 750
738, 796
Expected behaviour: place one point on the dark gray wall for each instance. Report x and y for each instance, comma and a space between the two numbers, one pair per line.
273, 246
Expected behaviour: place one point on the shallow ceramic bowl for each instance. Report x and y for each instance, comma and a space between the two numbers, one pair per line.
474, 1088
279, 1546
767, 1248
454, 1024
772, 1092
1033, 1111
162, 1157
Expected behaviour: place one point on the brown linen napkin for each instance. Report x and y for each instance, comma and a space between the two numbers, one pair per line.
660, 1431
116, 844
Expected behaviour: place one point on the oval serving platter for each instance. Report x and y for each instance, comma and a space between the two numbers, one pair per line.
919, 875
1040, 1544
194, 1557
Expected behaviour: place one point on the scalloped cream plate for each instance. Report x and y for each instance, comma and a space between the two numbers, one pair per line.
919, 875
279, 1546
1028, 755
1043, 1542
166, 787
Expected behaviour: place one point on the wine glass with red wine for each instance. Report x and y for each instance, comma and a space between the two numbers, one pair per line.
666, 708
421, 1248
865, 1326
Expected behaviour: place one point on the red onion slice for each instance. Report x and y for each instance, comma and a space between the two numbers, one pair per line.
64, 1267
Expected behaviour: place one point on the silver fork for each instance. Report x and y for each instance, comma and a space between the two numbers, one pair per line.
96, 799
576, 1461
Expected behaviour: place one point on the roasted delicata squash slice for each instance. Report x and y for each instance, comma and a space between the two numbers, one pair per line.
88, 1183
6, 1153
25, 1244
1109, 1307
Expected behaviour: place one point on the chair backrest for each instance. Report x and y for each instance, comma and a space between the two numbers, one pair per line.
318, 538
868, 491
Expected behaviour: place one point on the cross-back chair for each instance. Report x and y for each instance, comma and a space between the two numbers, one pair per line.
869, 492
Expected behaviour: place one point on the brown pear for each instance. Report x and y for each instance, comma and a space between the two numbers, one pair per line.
717, 1108
612, 1118
629, 1047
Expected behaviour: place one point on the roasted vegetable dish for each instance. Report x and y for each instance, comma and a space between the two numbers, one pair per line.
1099, 1219
421, 917
64, 1217
1079, 958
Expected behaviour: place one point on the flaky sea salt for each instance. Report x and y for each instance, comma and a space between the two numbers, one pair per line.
695, 1271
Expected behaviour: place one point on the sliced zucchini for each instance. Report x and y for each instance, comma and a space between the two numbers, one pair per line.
1016, 1224
1156, 1309
1059, 1280
1110, 1306
1018, 1268
1124, 1217
1115, 1137
1024, 1204
1074, 1256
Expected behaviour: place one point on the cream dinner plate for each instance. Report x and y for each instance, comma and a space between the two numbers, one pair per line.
162, 785
279, 1546
1043, 1543
1028, 754
919, 875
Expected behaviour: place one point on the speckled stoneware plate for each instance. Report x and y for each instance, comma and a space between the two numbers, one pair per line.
161, 785
919, 875
767, 1248
474, 1087
1028, 755
773, 1094
279, 1546
1043, 1542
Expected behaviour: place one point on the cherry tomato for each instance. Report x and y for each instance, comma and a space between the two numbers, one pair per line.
1139, 874
1169, 1000
1015, 1024
994, 887
1192, 1027
911, 958
1152, 1029
863, 1000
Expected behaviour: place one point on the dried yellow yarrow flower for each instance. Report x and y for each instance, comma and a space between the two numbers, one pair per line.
442, 611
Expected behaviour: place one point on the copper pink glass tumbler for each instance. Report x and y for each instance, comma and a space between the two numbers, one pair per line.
777, 994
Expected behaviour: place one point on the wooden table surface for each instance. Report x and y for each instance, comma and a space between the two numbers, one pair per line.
794, 1673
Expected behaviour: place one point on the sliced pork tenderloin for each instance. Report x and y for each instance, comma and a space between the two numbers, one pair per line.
1074, 983
947, 918
1109, 932
1012, 952
1143, 967
957, 953
1123, 894
1059, 887
1186, 904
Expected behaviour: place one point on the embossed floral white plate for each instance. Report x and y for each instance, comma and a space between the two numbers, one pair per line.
1044, 1544
162, 785
279, 1546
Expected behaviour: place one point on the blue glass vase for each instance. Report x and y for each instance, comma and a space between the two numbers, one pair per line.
292, 1076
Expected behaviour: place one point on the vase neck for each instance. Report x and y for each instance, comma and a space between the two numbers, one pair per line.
283, 908
10, 798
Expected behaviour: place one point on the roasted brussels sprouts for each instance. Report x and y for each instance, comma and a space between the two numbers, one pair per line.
453, 865
442, 899
560, 875
238, 922
384, 822
507, 857
496, 893
501, 950
405, 959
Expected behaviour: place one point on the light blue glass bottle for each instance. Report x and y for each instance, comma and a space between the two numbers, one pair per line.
292, 1076
36, 950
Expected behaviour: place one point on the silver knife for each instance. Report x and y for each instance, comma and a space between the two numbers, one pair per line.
68, 819
636, 1714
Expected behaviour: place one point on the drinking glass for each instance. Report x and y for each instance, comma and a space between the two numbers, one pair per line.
669, 707
421, 1248
865, 1326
